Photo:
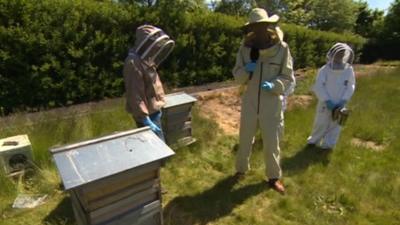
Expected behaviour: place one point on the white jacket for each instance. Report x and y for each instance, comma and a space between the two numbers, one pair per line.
335, 85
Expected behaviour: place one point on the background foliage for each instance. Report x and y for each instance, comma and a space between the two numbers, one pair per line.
342, 16
384, 42
62, 52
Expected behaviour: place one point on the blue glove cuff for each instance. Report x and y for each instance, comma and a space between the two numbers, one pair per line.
267, 85
330, 105
250, 67
156, 116
146, 121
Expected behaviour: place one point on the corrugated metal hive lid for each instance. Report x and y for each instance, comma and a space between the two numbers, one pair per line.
92, 160
179, 98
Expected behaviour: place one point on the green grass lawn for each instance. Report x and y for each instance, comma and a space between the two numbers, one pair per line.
351, 185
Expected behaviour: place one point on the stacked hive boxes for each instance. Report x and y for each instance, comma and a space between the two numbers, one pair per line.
115, 179
176, 119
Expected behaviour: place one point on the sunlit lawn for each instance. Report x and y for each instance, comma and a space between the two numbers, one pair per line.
351, 185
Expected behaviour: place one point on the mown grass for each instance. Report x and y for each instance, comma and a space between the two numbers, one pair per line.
388, 63
350, 185
305, 83
47, 130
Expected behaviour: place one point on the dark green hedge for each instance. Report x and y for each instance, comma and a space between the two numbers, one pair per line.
61, 52
309, 47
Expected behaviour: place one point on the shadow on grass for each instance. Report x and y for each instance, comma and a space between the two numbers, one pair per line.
61, 214
208, 206
307, 156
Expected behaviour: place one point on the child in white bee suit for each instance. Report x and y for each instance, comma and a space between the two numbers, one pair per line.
334, 87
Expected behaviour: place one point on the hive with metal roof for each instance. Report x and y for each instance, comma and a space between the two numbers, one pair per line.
114, 179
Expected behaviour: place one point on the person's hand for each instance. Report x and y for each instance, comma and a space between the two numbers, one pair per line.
267, 86
153, 126
250, 67
330, 104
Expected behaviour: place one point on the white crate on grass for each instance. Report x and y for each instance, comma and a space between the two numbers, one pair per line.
15, 153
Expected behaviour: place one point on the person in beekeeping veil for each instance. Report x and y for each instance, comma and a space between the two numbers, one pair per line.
264, 67
144, 90
334, 87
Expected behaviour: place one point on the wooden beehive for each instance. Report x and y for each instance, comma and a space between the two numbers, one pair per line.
177, 118
115, 179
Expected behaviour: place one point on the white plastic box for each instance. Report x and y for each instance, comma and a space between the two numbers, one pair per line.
15, 153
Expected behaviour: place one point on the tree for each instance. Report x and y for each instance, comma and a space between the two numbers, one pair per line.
392, 22
297, 11
186, 5
369, 22
329, 15
235, 7
271, 6
333, 15
386, 43
291, 11
147, 3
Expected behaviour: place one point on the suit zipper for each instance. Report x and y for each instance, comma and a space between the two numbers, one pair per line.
259, 89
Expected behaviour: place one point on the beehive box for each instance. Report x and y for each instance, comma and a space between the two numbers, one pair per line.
15, 153
114, 179
177, 119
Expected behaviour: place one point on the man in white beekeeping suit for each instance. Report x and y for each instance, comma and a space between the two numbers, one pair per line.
334, 87
264, 67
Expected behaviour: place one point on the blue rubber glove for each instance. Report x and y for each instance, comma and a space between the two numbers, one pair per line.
267, 86
341, 103
330, 104
153, 126
250, 67
156, 116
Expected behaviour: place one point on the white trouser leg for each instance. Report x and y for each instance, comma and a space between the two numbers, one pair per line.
332, 135
271, 134
321, 124
248, 128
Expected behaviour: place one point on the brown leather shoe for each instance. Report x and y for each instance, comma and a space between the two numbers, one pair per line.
277, 185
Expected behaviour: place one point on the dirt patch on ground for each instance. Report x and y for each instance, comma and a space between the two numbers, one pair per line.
367, 144
223, 106
299, 101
